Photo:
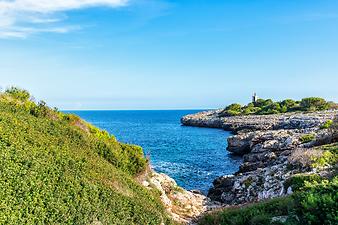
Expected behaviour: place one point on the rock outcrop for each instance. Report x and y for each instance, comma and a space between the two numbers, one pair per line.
183, 206
268, 161
274, 148
213, 119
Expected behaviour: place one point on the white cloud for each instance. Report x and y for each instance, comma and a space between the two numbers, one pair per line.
20, 18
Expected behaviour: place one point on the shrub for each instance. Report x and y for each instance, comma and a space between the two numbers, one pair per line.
257, 213
248, 110
232, 110
313, 104
289, 103
298, 182
307, 138
18, 93
318, 204
327, 124
234, 107
329, 156
232, 113
40, 110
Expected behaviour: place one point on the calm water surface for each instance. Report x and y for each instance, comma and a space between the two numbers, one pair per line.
194, 157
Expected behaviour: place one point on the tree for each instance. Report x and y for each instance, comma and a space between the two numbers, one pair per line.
234, 107
313, 104
288, 103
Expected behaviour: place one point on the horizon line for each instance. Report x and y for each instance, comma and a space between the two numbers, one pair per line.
169, 109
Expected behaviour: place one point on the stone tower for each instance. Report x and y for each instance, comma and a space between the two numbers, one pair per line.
254, 97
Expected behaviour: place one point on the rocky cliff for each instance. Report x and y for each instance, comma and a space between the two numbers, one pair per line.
275, 148
214, 119
182, 205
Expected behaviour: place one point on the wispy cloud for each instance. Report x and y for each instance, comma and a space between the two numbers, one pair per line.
20, 18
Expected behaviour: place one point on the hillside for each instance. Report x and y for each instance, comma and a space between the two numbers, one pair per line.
57, 169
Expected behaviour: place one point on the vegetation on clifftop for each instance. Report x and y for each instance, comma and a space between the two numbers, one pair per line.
267, 106
58, 169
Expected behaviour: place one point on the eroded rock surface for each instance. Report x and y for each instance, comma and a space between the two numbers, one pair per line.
184, 206
274, 148
270, 158
213, 119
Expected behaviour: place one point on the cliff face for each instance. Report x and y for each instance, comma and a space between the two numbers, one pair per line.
275, 148
213, 119
182, 205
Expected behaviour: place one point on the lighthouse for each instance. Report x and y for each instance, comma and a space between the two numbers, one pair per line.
254, 97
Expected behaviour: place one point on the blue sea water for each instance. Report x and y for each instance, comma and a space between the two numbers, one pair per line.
193, 156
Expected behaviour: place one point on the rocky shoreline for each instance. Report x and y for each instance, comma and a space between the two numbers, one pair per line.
213, 119
184, 206
274, 149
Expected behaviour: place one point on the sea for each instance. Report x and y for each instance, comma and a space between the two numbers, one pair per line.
192, 156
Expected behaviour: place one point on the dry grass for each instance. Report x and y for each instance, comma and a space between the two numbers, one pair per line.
304, 157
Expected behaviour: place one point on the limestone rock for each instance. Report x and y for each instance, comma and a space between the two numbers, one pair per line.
184, 206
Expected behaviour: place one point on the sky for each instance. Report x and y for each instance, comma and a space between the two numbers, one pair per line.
168, 54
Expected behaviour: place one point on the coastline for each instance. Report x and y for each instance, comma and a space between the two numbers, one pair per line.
184, 206
272, 149
295, 120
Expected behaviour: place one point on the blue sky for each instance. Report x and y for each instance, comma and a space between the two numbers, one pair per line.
161, 54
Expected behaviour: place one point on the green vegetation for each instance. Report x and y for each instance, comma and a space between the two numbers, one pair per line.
316, 204
254, 214
299, 181
314, 201
267, 106
248, 182
327, 124
57, 169
306, 138
329, 156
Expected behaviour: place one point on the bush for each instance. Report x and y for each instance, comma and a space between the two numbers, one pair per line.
232, 113
257, 213
234, 107
289, 103
298, 182
307, 138
318, 204
18, 93
327, 124
313, 104
232, 110
41, 109
329, 156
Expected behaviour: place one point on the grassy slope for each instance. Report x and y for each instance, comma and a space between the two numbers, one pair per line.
315, 201
56, 169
